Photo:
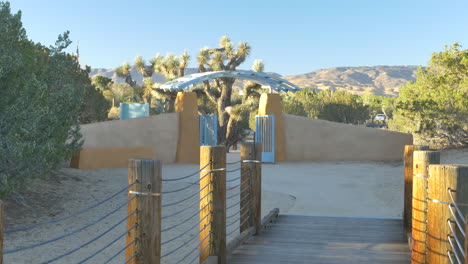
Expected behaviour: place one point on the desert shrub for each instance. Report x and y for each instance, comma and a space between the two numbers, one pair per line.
41, 92
435, 107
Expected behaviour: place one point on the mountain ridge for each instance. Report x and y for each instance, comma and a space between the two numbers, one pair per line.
379, 80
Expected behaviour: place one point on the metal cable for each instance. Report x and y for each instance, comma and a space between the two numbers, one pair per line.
185, 188
238, 185
235, 162
193, 250
460, 227
456, 206
235, 179
186, 198
230, 224
69, 233
248, 194
120, 251
91, 241
238, 193
188, 176
201, 251
185, 232
186, 220
452, 261
185, 243
234, 195
454, 253
130, 258
71, 215
454, 235
238, 219
185, 209
108, 245
237, 212
243, 222
234, 170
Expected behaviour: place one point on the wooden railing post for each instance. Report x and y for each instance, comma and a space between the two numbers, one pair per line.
147, 204
443, 178
251, 156
213, 203
2, 225
408, 174
421, 161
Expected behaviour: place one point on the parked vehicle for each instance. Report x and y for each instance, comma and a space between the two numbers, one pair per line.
380, 117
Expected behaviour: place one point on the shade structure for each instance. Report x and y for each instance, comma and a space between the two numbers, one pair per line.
275, 83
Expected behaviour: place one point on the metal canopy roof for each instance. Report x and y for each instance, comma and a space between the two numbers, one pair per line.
274, 82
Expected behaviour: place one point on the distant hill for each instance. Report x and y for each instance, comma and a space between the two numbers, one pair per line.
379, 80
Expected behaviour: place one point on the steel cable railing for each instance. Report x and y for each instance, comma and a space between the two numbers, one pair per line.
195, 248
121, 251
81, 211
82, 228
186, 220
188, 176
186, 187
456, 253
9, 251
181, 240
186, 198
90, 241
236, 219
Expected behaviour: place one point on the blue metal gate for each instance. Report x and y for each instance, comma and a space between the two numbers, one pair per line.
265, 133
208, 130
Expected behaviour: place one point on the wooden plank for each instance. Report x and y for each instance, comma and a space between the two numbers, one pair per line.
310, 239
408, 192
421, 161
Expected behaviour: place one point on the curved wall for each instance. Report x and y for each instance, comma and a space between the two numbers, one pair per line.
320, 140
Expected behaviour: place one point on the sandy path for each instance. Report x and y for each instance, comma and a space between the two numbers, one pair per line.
76, 189
340, 188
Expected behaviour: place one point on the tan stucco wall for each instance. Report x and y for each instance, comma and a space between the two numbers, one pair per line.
270, 104
159, 132
104, 158
188, 149
320, 140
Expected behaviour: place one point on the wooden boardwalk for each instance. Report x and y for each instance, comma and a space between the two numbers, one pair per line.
326, 240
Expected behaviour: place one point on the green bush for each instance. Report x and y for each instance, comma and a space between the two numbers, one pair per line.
41, 92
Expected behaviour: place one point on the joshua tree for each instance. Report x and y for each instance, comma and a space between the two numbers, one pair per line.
125, 72
172, 67
226, 58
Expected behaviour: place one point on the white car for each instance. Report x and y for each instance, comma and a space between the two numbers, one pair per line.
380, 117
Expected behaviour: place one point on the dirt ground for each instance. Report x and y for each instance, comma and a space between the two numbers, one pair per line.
372, 189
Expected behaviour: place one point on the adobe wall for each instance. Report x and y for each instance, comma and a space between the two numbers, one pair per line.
320, 140
160, 132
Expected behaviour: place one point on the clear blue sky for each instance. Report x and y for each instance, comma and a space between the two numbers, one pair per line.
291, 36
